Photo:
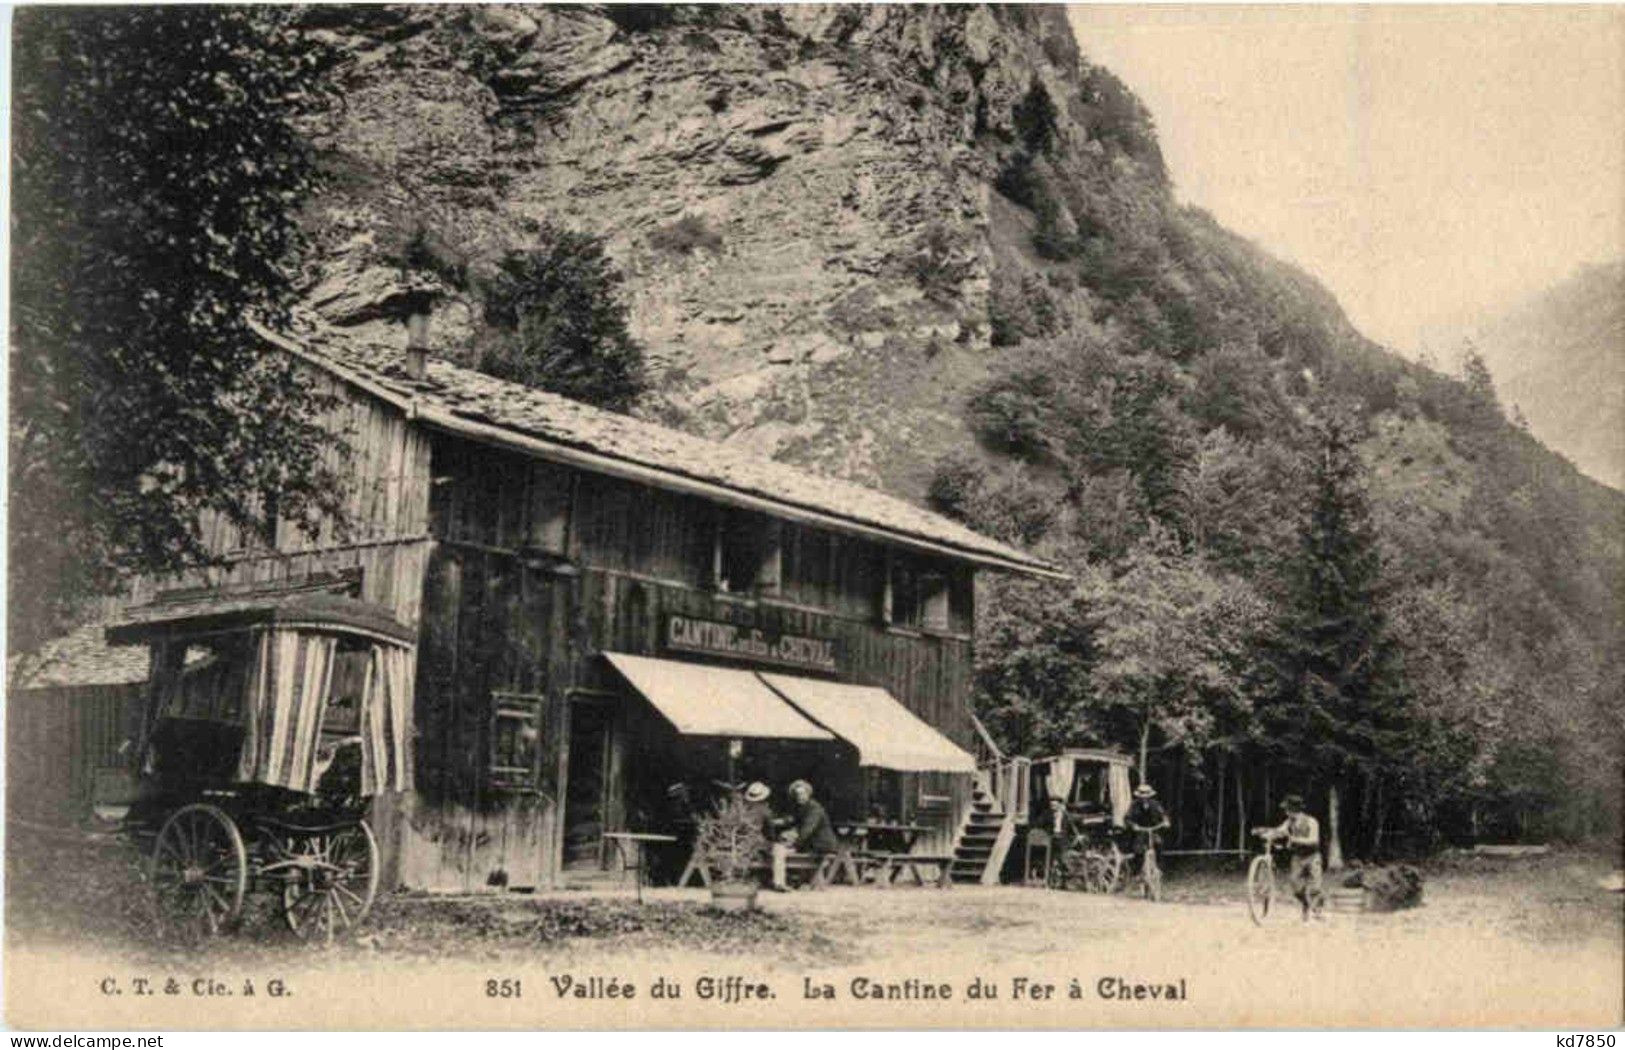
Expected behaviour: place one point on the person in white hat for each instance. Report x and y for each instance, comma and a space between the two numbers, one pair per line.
756, 795
1145, 818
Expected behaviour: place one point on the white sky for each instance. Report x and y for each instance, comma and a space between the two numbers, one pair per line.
1429, 164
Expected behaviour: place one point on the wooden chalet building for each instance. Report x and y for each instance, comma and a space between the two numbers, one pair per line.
604, 606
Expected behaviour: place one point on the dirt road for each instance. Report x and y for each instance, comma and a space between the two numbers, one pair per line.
1520, 944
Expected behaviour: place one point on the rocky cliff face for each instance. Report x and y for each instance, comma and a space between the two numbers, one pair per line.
801, 197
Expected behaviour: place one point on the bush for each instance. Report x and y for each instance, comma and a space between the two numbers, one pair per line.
956, 482
557, 322
941, 261
687, 235
1022, 311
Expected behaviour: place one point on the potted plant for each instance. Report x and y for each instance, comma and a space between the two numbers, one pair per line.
730, 846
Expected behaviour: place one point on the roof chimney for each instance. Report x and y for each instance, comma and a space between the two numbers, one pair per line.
419, 306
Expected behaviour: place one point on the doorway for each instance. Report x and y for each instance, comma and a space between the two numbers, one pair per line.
586, 793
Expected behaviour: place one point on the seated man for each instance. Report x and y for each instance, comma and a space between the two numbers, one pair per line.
810, 832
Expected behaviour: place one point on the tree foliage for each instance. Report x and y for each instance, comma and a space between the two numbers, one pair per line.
155, 171
558, 322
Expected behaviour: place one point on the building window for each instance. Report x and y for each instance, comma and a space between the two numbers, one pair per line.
916, 595
748, 558
516, 735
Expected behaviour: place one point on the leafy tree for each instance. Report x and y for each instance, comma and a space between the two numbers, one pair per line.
558, 322
155, 169
1168, 631
1034, 652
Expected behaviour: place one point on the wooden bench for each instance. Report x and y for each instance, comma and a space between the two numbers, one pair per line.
821, 869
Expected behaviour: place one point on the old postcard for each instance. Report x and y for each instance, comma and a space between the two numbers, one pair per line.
843, 517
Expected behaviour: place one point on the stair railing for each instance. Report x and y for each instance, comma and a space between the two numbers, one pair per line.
1003, 777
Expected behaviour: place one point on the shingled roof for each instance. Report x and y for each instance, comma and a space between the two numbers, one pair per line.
464, 401
81, 657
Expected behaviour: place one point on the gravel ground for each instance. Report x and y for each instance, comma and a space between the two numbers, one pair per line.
1530, 942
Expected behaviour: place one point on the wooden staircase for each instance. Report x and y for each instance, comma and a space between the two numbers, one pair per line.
984, 840
998, 804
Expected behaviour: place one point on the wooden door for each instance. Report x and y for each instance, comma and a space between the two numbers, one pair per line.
588, 783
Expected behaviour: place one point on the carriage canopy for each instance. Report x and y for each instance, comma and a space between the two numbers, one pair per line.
264, 683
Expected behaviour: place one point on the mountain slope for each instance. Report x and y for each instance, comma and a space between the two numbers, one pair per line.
934, 250
1560, 358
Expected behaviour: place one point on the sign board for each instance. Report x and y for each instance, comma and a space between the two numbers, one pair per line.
749, 643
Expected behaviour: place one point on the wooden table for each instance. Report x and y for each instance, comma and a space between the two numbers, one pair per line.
888, 864
909, 834
638, 860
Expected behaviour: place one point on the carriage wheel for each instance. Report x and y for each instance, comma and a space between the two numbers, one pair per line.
334, 891
199, 869
1260, 888
1097, 876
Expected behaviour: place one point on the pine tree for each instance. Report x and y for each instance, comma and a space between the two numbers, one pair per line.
1337, 714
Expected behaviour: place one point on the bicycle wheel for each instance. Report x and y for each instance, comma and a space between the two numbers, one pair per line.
1151, 877
1260, 888
1111, 870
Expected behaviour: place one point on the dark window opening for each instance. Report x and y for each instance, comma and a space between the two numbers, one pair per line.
352, 661
919, 595
748, 559
516, 736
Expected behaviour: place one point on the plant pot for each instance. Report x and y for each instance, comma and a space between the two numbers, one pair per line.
734, 896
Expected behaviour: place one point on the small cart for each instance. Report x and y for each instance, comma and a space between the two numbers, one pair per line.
270, 723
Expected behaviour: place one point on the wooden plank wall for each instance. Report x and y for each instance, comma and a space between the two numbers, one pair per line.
492, 623
500, 616
386, 488
56, 741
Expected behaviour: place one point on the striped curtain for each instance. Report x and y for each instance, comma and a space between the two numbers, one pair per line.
1058, 784
283, 725
386, 721
1117, 785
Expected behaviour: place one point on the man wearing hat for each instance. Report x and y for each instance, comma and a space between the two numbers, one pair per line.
1145, 818
810, 831
1302, 835
756, 796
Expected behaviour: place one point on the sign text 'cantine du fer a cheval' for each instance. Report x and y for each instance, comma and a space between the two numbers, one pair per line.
749, 643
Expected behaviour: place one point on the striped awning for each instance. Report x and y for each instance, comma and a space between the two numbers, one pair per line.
699, 700
886, 734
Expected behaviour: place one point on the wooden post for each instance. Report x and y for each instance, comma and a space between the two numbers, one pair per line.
1241, 810
1334, 845
1218, 805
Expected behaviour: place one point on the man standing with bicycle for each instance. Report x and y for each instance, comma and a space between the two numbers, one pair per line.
1301, 832
1145, 817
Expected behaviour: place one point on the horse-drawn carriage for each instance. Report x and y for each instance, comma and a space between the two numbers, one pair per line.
1079, 799
268, 726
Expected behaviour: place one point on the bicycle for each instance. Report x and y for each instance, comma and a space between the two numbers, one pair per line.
1261, 879
1150, 874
